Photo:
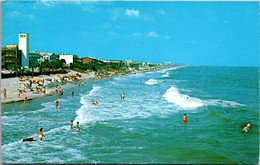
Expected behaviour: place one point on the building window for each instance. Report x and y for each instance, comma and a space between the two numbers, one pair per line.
22, 35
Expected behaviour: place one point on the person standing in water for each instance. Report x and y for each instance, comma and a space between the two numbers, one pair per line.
82, 84
57, 103
184, 118
123, 96
72, 93
77, 126
61, 92
40, 134
56, 91
71, 124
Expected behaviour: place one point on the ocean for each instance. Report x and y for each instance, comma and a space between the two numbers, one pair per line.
146, 126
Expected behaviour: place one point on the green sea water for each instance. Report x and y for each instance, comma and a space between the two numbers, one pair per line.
145, 127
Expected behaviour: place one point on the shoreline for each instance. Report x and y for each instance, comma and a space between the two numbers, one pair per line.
13, 84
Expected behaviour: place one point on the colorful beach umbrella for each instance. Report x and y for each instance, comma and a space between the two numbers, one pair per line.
38, 79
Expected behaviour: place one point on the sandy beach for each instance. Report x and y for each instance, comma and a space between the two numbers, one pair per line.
48, 82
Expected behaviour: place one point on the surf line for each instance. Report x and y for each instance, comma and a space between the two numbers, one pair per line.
173, 95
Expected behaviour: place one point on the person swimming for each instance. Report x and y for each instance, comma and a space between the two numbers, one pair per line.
40, 134
95, 103
246, 127
184, 118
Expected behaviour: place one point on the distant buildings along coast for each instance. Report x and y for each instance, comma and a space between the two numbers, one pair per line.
19, 56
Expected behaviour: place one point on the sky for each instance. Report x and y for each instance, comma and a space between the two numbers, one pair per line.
193, 33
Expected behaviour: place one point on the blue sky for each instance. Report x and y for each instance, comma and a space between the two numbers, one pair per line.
194, 33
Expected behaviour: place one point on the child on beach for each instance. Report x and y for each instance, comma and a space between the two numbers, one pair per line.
184, 118
71, 123
40, 134
77, 126
5, 94
56, 103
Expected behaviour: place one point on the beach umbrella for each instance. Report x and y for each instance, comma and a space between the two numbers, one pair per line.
38, 79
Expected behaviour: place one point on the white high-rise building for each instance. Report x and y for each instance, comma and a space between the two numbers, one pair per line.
24, 46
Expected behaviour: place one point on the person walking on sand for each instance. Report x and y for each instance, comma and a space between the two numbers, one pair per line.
71, 124
40, 134
246, 127
25, 97
18, 93
57, 103
184, 118
30, 83
77, 126
5, 94
72, 93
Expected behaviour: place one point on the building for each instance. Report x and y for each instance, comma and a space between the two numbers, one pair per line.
128, 62
49, 56
69, 58
11, 56
34, 56
24, 47
87, 60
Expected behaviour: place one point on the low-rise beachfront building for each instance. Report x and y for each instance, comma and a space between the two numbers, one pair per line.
69, 58
11, 56
128, 62
34, 56
49, 56
88, 60
114, 62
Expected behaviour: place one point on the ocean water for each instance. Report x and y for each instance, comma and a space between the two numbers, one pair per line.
145, 127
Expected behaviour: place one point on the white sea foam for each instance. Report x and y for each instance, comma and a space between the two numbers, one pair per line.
83, 110
172, 95
152, 82
166, 75
222, 103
